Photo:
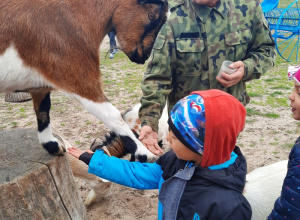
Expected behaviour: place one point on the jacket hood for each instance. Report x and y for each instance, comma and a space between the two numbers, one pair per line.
225, 119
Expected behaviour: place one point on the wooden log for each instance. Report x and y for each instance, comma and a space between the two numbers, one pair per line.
17, 97
34, 184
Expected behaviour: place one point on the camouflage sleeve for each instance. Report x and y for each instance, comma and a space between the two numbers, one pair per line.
261, 52
156, 84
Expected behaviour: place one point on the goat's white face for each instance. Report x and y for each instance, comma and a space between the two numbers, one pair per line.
136, 34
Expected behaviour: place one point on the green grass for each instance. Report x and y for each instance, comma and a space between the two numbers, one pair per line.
253, 112
277, 102
273, 88
288, 145
271, 115
252, 144
276, 93
255, 94
14, 124
124, 86
285, 3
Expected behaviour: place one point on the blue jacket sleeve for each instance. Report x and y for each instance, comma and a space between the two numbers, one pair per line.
132, 174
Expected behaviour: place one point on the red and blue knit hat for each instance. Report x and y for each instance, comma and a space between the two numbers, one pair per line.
187, 122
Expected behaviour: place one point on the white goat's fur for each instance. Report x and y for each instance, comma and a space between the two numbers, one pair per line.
263, 187
131, 117
107, 113
14, 70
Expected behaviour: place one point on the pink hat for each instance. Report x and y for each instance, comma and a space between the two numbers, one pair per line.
294, 73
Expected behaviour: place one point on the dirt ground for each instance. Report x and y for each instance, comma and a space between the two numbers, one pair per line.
263, 141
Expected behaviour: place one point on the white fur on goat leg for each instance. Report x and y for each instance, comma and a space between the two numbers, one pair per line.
111, 117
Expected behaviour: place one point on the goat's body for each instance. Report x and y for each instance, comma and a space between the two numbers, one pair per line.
54, 44
263, 187
44, 43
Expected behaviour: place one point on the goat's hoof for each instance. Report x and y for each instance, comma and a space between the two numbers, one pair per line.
148, 157
90, 199
61, 151
55, 148
152, 159
142, 154
97, 144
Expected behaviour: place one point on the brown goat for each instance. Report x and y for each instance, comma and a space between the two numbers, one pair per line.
54, 44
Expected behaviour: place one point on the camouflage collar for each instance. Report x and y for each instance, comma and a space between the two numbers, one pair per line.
174, 3
222, 8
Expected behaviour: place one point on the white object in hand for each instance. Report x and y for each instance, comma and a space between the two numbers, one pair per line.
225, 68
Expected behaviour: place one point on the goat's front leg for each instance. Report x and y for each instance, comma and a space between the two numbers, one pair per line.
112, 118
42, 105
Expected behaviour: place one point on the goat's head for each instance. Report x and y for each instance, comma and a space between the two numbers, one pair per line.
137, 23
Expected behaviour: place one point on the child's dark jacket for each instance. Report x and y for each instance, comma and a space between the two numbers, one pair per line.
211, 191
287, 206
203, 193
185, 192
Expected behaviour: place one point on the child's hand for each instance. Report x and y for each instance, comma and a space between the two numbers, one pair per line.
75, 152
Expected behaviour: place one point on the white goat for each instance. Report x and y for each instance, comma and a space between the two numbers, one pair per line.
263, 187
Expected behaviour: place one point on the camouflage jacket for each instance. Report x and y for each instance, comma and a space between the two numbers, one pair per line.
193, 43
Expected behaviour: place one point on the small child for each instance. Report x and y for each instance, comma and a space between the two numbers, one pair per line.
203, 175
287, 206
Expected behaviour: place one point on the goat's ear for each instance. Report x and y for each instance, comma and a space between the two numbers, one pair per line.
152, 1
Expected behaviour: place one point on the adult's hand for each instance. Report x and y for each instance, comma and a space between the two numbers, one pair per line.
229, 80
149, 138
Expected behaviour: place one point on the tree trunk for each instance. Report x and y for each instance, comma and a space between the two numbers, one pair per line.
34, 184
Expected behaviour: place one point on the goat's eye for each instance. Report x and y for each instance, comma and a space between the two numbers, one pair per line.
151, 16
